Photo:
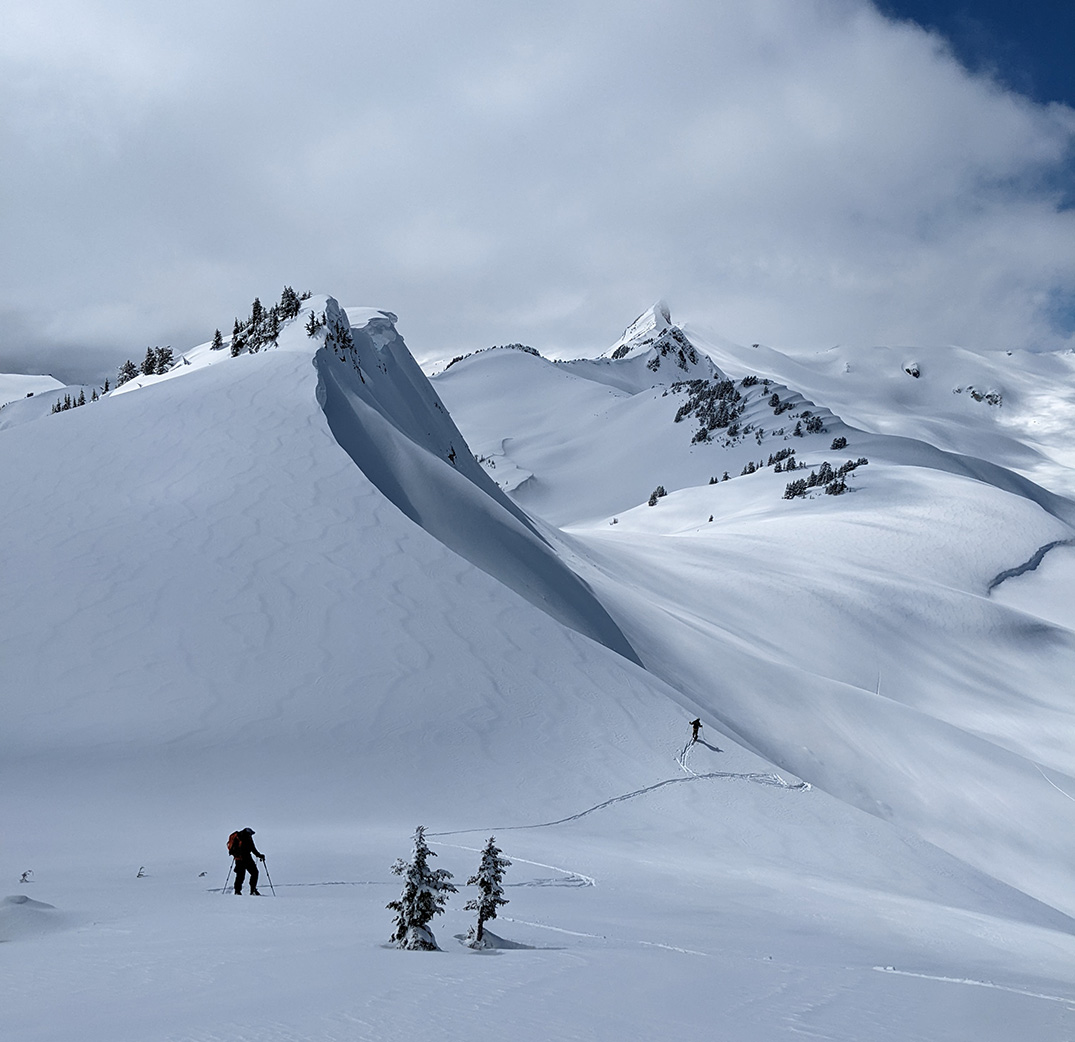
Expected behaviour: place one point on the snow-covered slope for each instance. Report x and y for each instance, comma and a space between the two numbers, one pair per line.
219, 611
14, 386
853, 638
1014, 408
25, 398
394, 427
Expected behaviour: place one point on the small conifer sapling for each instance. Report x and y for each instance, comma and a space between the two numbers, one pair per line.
489, 881
425, 893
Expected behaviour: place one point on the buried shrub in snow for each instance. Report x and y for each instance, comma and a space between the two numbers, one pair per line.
489, 881
425, 893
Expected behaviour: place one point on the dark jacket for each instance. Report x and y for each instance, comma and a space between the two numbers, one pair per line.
244, 846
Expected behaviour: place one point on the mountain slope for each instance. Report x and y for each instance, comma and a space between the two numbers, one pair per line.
851, 639
395, 428
214, 617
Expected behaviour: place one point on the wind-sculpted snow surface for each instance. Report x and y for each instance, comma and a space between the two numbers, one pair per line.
386, 416
212, 618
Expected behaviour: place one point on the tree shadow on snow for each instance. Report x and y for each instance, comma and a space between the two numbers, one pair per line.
491, 944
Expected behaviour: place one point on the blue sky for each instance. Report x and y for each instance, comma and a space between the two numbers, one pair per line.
1028, 44
799, 173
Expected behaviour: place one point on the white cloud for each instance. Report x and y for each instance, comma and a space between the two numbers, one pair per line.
799, 172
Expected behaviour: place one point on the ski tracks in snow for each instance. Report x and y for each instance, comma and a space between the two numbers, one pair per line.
971, 982
580, 879
754, 777
571, 877
604, 937
757, 777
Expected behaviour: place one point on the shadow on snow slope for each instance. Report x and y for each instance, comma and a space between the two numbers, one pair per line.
386, 416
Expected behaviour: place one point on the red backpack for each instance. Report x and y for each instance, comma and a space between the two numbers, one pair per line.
235, 844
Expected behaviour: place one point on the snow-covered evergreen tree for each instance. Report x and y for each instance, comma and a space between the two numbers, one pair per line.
127, 371
489, 881
289, 303
272, 325
218, 341
425, 893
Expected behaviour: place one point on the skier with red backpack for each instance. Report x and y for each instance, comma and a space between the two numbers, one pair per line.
242, 849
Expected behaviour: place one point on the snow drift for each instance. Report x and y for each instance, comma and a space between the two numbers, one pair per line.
391, 423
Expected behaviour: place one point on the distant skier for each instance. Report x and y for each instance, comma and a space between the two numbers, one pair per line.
242, 849
696, 728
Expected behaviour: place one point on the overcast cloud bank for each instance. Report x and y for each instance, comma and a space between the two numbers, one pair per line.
794, 172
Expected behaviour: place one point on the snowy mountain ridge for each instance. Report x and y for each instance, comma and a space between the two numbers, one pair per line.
367, 415
280, 590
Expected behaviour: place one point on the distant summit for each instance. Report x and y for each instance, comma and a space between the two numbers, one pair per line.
643, 332
653, 335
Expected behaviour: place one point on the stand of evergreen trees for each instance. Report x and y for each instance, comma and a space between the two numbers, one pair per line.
261, 329
717, 404
426, 891
832, 481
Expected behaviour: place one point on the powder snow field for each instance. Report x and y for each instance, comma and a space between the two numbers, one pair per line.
14, 386
261, 591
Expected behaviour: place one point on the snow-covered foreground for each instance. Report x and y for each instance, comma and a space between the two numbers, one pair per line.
220, 612
716, 907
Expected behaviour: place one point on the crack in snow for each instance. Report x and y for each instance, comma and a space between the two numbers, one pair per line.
1030, 565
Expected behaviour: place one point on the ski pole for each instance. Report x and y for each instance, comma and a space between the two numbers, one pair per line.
268, 877
230, 867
